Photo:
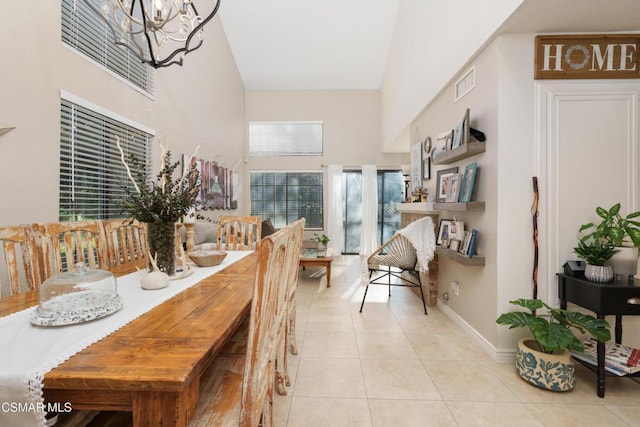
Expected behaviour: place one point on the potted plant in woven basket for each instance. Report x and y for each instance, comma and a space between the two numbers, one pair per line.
544, 359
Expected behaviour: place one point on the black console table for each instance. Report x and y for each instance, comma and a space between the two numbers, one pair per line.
618, 298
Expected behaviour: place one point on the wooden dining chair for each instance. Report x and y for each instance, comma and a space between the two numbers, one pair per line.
126, 245
63, 244
237, 390
286, 333
238, 233
21, 261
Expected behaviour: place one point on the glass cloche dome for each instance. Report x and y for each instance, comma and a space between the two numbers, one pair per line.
77, 296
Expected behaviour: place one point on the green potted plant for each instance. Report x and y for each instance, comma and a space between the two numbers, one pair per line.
322, 240
544, 359
622, 232
596, 254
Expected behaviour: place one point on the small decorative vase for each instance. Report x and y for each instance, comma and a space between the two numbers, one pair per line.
598, 273
625, 261
161, 239
549, 371
322, 247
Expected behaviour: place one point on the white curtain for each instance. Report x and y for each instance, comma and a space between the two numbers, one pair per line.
368, 239
335, 229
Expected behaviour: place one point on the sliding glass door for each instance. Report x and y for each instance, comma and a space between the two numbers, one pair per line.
390, 193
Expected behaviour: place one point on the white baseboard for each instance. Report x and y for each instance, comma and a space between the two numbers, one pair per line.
495, 354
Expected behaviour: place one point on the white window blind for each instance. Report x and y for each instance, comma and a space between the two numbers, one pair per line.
285, 139
85, 32
91, 172
285, 197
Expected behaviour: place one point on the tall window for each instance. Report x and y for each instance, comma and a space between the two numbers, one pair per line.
91, 172
285, 139
286, 196
88, 34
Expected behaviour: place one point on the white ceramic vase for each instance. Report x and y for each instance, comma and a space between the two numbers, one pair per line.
625, 261
598, 273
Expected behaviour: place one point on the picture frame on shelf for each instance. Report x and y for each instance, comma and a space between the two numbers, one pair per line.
456, 230
426, 169
454, 245
442, 142
443, 232
461, 132
452, 184
468, 182
441, 189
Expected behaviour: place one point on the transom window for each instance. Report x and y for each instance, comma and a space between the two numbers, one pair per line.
285, 197
285, 139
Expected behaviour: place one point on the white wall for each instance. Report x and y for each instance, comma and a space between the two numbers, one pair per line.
432, 40
476, 303
199, 103
351, 127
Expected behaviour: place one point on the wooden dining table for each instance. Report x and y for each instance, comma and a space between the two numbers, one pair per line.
152, 366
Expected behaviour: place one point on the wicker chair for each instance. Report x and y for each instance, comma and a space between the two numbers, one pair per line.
394, 259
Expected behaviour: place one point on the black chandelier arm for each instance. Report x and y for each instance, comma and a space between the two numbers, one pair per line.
152, 59
186, 49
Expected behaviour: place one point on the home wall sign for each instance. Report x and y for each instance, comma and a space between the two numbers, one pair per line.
595, 56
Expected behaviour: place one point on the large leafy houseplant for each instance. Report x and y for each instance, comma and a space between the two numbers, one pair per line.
556, 333
614, 228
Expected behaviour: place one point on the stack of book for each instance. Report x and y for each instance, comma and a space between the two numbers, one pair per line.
619, 359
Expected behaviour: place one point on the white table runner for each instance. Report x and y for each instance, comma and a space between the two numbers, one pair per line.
28, 352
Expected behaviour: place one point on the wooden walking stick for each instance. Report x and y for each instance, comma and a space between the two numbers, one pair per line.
534, 214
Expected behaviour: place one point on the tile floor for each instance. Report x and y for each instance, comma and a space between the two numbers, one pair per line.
393, 366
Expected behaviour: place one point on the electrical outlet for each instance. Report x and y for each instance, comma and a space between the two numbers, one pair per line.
456, 288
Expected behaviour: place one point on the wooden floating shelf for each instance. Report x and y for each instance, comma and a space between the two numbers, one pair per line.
467, 150
459, 206
474, 261
5, 129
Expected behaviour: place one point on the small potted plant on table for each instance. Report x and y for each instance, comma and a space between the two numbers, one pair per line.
544, 360
596, 254
322, 241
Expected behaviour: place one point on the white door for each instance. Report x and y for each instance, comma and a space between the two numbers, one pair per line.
588, 157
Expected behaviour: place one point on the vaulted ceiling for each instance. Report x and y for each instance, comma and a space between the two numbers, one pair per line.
344, 44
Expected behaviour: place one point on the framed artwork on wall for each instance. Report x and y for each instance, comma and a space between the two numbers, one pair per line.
416, 166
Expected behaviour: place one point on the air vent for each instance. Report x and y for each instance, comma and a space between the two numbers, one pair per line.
466, 83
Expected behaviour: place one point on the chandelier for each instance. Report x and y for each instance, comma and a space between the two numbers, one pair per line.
158, 32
